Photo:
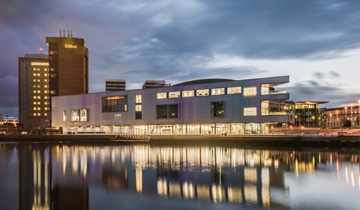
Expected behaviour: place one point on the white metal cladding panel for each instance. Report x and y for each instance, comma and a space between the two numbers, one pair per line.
192, 109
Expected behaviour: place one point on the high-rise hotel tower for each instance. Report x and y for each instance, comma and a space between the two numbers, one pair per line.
64, 71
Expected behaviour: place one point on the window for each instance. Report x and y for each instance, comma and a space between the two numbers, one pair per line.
45, 80
265, 90
52, 91
53, 75
217, 109
45, 103
38, 91
38, 114
45, 69
114, 104
45, 91
188, 93
250, 91
204, 92
34, 114
64, 115
34, 80
45, 86
45, 114
34, 91
83, 115
175, 94
34, 97
38, 80
45, 75
234, 90
138, 99
34, 108
78, 115
265, 108
138, 115
217, 91
138, 108
75, 115
161, 95
167, 111
38, 74
250, 111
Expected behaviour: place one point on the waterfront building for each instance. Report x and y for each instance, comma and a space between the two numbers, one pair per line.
34, 92
335, 117
115, 85
307, 114
63, 72
214, 106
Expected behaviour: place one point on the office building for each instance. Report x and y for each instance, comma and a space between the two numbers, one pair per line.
63, 72
115, 85
195, 107
34, 92
308, 114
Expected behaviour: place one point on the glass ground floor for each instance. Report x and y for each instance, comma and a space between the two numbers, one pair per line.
177, 129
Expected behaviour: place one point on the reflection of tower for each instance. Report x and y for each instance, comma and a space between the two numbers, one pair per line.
35, 178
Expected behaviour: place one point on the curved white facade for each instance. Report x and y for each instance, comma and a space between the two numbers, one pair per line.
192, 115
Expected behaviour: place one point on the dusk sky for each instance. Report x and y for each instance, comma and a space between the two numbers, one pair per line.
317, 43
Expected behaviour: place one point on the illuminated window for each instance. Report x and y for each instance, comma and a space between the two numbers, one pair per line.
45, 103
38, 70
114, 104
45, 114
138, 99
45, 69
45, 80
34, 80
34, 108
35, 103
34, 91
45, 75
138, 108
45, 86
34, 114
38, 86
175, 94
64, 115
39, 114
250, 111
38, 80
188, 93
250, 91
52, 91
75, 115
47, 108
52, 69
45, 97
53, 75
34, 97
204, 92
45, 91
38, 91
83, 115
34, 74
39, 97
234, 90
265, 108
217, 91
161, 95
265, 90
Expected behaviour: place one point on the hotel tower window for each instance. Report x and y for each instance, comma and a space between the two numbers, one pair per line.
217, 109
250, 111
234, 90
138, 99
114, 104
175, 94
217, 91
167, 111
203, 92
250, 91
161, 95
188, 93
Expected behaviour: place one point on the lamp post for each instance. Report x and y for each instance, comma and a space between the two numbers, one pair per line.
351, 116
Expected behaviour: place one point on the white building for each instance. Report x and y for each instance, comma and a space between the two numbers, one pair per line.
335, 117
211, 106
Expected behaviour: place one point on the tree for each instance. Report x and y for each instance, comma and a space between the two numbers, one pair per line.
347, 123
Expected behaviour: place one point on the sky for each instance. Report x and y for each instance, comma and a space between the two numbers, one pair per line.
317, 43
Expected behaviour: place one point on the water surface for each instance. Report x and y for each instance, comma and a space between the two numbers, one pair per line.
65, 177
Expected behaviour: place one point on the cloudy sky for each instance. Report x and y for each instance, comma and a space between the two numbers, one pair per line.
317, 43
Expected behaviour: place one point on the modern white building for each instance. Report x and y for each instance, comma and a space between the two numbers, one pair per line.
210, 106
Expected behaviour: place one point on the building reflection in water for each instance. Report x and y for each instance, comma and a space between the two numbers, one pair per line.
59, 177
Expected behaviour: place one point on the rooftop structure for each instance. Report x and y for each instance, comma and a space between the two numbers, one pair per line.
115, 84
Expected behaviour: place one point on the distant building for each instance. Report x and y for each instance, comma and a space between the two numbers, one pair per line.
335, 117
309, 115
63, 72
153, 84
115, 85
9, 119
195, 107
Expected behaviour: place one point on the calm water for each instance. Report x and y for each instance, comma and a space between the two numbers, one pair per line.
65, 177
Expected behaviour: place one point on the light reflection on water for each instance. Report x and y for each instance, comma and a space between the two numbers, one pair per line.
41, 177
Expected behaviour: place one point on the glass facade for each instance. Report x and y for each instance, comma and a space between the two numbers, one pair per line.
203, 92
217, 109
217, 91
175, 94
114, 104
250, 91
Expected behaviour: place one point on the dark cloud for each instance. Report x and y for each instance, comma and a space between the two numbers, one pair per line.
176, 40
